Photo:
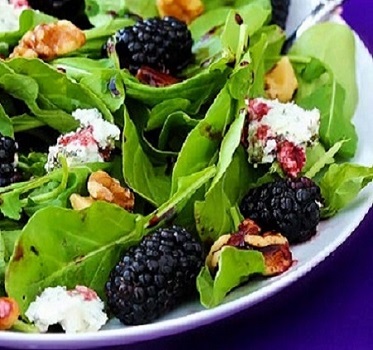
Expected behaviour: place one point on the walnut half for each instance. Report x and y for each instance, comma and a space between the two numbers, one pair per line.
101, 186
274, 247
48, 41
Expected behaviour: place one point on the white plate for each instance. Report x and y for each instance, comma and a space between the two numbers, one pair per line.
331, 234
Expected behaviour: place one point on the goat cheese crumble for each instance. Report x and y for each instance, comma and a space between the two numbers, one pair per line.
9, 15
280, 131
91, 142
78, 310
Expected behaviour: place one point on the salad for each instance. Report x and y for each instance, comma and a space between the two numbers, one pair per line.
155, 151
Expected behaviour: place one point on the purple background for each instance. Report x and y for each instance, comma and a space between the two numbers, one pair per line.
330, 308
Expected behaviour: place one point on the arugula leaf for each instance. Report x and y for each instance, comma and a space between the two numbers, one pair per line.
6, 127
215, 213
101, 12
236, 266
66, 94
108, 86
174, 131
335, 125
151, 182
341, 184
160, 112
330, 42
203, 141
66, 247
323, 159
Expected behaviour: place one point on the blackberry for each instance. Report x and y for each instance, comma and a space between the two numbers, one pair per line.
8, 150
72, 10
162, 44
289, 206
280, 12
152, 277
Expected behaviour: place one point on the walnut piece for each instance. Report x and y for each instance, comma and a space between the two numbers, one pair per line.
281, 82
79, 202
101, 186
184, 10
48, 41
274, 247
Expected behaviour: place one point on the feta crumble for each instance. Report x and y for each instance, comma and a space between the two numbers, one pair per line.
9, 15
91, 142
78, 310
280, 131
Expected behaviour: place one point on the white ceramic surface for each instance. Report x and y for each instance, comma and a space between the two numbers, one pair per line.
331, 234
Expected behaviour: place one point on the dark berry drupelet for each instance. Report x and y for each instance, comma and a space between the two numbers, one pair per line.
154, 276
8, 150
72, 10
162, 44
289, 206
280, 12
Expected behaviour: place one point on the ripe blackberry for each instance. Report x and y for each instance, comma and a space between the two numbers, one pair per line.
289, 206
152, 277
8, 159
280, 11
162, 44
72, 10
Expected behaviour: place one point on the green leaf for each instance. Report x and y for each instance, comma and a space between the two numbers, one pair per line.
175, 130
66, 94
197, 89
146, 179
163, 110
6, 127
341, 184
101, 12
236, 266
334, 45
228, 147
214, 215
205, 138
335, 125
27, 20
67, 247
108, 86
323, 160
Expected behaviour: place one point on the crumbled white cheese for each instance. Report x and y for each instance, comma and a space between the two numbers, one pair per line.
103, 132
276, 123
91, 142
9, 16
79, 310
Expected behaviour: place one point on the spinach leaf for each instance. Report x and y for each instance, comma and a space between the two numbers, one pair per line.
236, 266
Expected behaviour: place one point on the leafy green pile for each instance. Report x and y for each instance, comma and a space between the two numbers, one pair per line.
180, 150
